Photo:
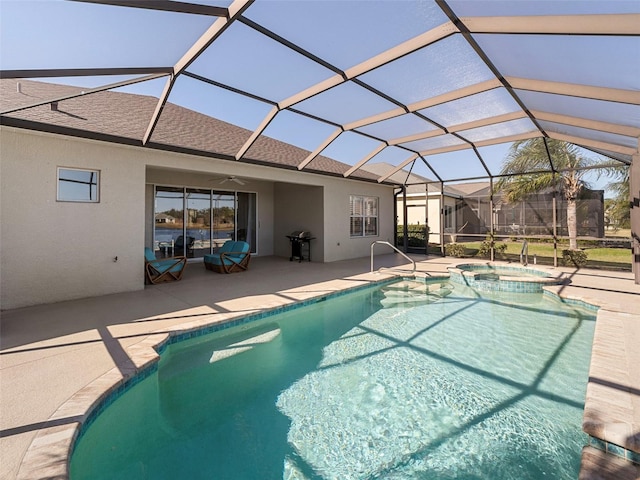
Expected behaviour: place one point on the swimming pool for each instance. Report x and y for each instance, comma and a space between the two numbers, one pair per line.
458, 384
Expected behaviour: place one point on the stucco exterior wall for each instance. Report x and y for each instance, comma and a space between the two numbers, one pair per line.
53, 251
298, 207
338, 244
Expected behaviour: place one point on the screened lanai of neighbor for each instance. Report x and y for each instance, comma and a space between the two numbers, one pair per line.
270, 108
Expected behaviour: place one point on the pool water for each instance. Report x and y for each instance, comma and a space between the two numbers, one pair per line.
460, 385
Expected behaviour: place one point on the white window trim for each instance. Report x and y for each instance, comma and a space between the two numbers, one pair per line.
364, 217
448, 216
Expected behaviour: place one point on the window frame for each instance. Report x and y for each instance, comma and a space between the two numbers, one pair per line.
448, 216
363, 216
96, 182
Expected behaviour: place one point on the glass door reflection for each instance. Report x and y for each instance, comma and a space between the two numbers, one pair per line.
169, 222
224, 217
246, 219
198, 236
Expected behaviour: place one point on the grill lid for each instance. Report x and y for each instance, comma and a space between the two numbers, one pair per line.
300, 234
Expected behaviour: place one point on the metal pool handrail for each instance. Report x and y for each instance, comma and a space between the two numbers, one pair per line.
387, 243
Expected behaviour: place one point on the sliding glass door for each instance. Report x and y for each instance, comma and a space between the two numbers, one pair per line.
224, 217
169, 221
198, 238
194, 222
246, 219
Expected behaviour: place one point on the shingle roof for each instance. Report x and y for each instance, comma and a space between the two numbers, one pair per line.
411, 179
401, 176
473, 188
125, 116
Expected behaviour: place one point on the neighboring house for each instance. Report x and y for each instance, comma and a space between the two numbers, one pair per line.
164, 218
80, 190
417, 211
467, 214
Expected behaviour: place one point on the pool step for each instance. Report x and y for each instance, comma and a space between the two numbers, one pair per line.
413, 294
413, 286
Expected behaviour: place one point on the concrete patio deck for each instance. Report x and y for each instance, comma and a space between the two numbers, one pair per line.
57, 359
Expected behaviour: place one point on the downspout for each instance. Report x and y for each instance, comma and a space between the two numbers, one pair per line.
396, 238
395, 217
426, 219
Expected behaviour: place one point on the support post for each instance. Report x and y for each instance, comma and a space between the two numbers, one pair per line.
405, 222
555, 220
634, 204
555, 231
442, 218
491, 226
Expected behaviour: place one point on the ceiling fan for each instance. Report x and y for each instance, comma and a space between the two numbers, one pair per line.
230, 178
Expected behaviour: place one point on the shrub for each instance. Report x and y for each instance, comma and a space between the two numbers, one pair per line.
574, 257
416, 235
454, 250
485, 247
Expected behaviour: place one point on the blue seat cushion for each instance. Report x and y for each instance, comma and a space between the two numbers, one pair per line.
161, 266
149, 256
166, 265
229, 246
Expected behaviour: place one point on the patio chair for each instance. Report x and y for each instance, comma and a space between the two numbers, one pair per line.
180, 244
231, 257
164, 270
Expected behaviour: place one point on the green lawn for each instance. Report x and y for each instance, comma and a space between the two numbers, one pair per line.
606, 258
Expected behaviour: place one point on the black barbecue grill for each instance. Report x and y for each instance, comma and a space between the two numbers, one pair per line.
299, 240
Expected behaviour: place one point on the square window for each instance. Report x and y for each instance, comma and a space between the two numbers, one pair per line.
76, 185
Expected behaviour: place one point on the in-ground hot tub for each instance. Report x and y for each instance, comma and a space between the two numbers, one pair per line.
490, 277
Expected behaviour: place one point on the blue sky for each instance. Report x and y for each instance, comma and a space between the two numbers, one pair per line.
58, 34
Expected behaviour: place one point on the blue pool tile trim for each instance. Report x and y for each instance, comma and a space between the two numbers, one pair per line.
111, 397
504, 268
507, 286
487, 277
176, 337
572, 301
200, 331
614, 449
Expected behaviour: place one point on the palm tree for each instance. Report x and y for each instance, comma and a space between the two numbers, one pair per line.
531, 156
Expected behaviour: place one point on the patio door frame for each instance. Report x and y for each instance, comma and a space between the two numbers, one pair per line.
159, 244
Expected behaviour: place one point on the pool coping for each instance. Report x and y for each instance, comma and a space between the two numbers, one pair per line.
50, 451
49, 454
610, 400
